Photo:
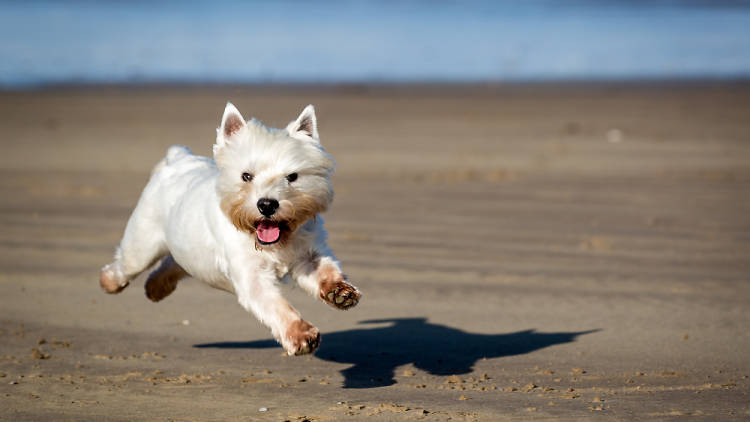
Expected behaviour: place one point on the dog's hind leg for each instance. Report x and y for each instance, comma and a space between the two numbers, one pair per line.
163, 280
141, 246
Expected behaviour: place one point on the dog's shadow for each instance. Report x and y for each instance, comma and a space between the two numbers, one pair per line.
375, 353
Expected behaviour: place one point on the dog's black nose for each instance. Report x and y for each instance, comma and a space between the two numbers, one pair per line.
267, 206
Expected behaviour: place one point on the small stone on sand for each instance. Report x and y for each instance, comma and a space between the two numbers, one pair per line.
37, 354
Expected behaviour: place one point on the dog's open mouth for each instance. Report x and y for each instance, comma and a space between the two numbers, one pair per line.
268, 231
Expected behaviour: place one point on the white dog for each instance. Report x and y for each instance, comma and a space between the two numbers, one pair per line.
240, 223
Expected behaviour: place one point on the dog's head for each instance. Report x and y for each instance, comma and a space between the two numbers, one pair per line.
271, 180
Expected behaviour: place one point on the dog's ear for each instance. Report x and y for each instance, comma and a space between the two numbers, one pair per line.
306, 125
232, 126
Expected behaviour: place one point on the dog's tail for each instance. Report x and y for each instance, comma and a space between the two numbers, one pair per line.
174, 153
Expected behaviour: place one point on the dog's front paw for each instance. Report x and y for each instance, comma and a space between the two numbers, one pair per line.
301, 338
335, 291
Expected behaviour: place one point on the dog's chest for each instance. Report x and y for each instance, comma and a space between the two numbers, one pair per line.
281, 271
280, 261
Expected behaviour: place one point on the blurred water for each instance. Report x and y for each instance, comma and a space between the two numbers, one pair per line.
337, 41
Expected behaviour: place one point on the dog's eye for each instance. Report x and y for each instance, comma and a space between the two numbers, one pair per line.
292, 177
247, 177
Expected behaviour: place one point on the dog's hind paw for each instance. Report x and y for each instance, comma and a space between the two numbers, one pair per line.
338, 293
163, 280
110, 282
157, 288
301, 338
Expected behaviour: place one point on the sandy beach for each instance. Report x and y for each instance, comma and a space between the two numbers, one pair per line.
530, 251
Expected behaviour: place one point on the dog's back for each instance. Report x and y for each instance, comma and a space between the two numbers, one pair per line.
177, 153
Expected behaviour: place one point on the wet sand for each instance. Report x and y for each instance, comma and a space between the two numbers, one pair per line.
525, 252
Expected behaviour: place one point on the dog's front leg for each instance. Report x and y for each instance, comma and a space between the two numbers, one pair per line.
321, 276
258, 293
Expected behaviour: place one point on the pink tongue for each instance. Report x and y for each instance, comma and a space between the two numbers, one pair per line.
268, 232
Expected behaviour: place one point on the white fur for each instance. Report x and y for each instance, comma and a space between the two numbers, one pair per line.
180, 214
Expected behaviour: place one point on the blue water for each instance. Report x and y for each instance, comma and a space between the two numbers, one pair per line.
388, 41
